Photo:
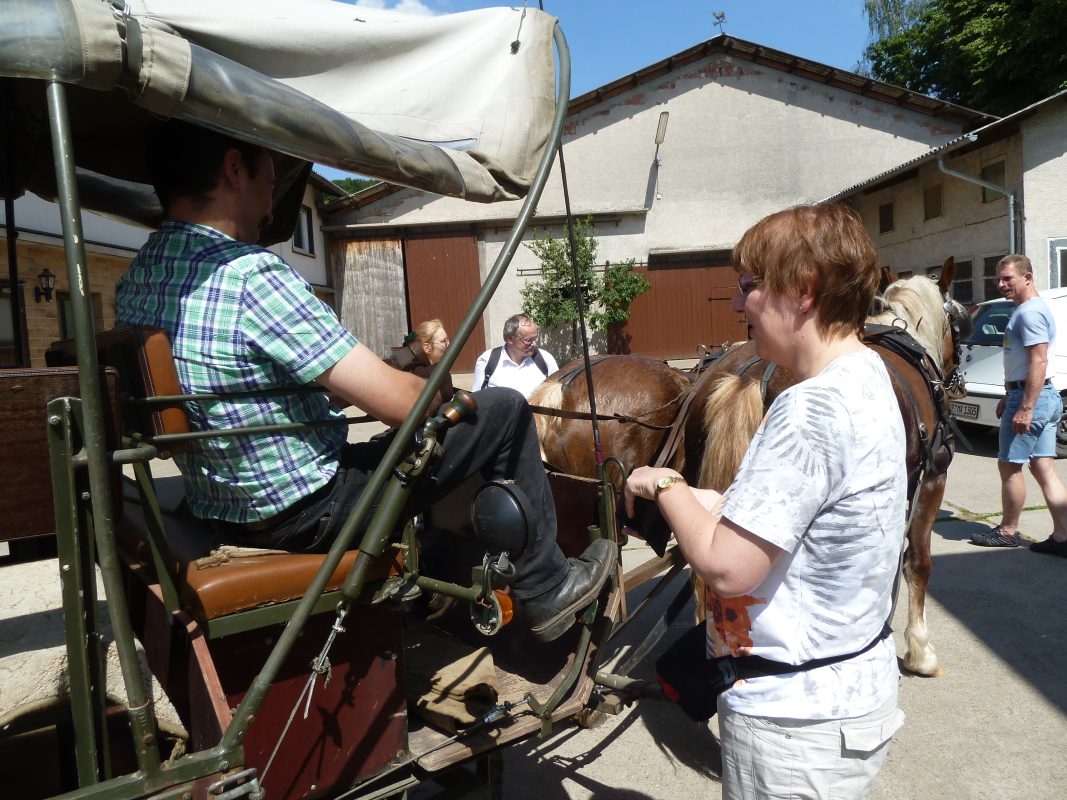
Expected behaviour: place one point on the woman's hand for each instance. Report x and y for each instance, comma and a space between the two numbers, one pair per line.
642, 483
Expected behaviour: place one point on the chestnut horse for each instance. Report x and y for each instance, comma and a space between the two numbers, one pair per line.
728, 403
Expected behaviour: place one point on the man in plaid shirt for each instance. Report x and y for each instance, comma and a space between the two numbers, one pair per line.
241, 319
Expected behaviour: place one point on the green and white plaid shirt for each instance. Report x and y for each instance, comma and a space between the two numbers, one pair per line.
239, 319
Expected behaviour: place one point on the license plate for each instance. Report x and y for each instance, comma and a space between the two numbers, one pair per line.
965, 410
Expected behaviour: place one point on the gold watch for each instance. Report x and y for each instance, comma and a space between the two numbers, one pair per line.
665, 483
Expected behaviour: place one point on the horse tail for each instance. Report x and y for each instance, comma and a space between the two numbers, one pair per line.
549, 395
733, 413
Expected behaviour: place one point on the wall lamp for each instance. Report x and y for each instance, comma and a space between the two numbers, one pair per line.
48, 283
661, 133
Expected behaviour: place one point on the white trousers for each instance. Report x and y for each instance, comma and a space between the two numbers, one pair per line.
788, 759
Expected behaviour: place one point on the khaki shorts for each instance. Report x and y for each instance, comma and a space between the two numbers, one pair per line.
765, 758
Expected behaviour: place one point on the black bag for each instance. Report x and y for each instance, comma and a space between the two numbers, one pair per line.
691, 679
694, 681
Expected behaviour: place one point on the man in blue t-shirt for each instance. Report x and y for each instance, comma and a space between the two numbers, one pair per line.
1029, 412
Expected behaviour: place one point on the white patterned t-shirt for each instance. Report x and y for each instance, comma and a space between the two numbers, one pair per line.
825, 480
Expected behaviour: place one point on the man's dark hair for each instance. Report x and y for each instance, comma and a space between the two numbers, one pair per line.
186, 161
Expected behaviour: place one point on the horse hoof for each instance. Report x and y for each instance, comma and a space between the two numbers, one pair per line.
925, 668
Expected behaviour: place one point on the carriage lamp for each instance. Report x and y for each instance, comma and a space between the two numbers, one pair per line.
48, 283
661, 132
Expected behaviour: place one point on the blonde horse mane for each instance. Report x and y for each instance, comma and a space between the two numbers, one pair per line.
917, 303
550, 395
732, 414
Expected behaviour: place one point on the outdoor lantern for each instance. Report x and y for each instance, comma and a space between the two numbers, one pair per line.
48, 283
661, 133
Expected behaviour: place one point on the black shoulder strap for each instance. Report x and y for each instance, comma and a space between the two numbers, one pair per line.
758, 666
490, 365
539, 360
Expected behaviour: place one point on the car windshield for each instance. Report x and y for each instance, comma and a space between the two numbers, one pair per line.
990, 323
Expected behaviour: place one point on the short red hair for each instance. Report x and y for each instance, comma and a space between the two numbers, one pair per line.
819, 249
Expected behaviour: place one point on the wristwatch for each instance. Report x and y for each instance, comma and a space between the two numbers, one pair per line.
665, 483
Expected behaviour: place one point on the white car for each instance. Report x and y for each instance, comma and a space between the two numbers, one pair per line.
983, 363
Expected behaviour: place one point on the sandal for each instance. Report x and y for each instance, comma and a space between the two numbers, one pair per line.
997, 538
1050, 546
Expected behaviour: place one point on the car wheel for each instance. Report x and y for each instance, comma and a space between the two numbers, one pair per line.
1061, 436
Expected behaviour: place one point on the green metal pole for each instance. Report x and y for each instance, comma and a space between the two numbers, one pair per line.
142, 720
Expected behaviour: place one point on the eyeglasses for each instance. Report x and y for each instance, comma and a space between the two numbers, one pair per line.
525, 341
746, 283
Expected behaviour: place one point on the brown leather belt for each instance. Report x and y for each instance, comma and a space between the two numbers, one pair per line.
272, 522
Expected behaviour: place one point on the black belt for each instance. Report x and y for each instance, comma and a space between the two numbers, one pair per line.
272, 522
1022, 384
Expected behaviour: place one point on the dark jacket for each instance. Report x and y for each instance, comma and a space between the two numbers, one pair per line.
407, 359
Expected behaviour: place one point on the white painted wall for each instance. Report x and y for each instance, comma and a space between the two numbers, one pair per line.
1044, 162
312, 267
39, 221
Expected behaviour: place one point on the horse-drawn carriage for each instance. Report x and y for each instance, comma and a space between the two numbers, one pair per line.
336, 675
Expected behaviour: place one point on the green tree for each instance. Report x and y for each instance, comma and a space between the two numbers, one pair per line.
606, 296
351, 185
993, 55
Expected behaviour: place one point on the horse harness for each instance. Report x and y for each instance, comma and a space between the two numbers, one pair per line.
567, 376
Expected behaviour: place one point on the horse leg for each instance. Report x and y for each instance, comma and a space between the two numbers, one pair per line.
920, 657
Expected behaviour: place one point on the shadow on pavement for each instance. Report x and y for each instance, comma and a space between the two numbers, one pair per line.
1011, 600
671, 737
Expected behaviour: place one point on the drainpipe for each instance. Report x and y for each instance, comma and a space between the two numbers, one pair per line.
992, 187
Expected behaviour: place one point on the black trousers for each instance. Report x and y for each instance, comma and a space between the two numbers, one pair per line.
498, 443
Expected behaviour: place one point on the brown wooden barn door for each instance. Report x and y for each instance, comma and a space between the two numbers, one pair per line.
443, 279
688, 305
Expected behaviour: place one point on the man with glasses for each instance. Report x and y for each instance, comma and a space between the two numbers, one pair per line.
1029, 412
519, 364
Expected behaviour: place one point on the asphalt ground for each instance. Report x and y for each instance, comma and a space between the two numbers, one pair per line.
994, 725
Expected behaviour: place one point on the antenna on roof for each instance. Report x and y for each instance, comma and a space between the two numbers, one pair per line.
720, 18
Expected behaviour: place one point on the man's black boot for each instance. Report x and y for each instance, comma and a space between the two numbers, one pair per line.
552, 613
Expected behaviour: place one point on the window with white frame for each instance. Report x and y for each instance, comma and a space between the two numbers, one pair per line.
304, 235
1057, 261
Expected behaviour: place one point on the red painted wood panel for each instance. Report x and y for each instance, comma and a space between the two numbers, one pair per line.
687, 306
443, 278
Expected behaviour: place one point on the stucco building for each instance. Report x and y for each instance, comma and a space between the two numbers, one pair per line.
995, 190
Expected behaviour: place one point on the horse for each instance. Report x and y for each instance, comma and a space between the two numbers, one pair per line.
636, 423
728, 400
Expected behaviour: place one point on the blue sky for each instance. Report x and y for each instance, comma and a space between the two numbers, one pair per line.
612, 38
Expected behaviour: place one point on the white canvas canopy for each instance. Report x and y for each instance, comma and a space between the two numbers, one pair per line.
459, 105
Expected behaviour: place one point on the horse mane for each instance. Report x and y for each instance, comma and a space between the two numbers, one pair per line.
731, 416
917, 303
548, 394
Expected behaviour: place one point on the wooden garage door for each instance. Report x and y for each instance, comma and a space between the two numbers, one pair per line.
442, 281
687, 306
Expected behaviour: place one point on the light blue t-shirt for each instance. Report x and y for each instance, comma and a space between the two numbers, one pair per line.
1030, 324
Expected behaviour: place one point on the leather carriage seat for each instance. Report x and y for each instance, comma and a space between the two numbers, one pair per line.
210, 583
